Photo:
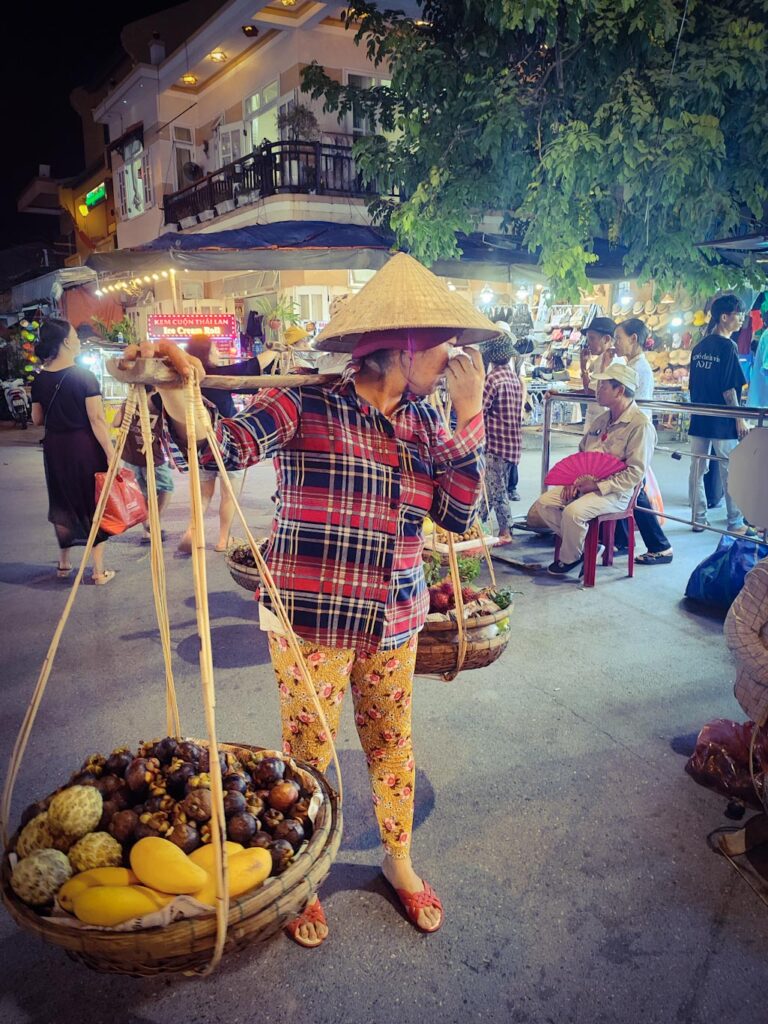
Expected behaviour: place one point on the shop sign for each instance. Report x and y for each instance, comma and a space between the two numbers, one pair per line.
218, 327
96, 195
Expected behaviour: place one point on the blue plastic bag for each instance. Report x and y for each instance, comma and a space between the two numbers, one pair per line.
718, 579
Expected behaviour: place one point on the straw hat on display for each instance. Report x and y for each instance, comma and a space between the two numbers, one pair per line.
294, 334
649, 307
699, 318
638, 307
617, 310
404, 296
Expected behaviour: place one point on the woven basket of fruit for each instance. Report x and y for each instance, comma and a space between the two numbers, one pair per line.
486, 629
242, 565
117, 867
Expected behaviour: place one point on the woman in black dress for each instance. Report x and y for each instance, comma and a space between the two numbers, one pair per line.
66, 399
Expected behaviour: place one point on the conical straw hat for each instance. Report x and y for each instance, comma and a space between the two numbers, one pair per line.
402, 295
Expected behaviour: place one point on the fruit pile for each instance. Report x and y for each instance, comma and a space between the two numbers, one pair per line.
442, 597
242, 554
150, 812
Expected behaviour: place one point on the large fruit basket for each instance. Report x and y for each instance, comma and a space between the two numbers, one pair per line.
486, 640
187, 945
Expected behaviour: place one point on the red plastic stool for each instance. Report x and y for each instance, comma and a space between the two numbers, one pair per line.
601, 531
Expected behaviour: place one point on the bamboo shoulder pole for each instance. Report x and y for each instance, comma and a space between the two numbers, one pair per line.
156, 371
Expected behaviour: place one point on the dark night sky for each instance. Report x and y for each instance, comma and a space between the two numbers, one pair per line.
50, 48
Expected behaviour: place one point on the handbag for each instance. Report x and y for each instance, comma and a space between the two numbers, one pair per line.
126, 506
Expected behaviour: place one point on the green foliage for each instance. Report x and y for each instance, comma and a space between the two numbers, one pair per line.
469, 567
114, 331
612, 119
433, 568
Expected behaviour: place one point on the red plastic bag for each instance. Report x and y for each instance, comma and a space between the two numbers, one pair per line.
654, 495
720, 760
125, 506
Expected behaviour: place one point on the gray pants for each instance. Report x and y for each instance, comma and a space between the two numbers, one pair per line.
496, 477
722, 447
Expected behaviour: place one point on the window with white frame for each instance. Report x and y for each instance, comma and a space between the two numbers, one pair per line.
134, 181
360, 124
313, 304
261, 115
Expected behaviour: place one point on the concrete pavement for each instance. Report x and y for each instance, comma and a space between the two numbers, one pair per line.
553, 816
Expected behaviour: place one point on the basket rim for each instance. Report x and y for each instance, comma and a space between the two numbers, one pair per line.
246, 570
205, 924
475, 622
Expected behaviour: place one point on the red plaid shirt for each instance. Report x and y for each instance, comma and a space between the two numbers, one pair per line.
502, 410
352, 491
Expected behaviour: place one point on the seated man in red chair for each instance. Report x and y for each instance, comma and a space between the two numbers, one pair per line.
622, 430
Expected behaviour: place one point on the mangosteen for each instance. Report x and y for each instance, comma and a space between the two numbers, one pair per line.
234, 803
255, 804
200, 781
281, 852
262, 839
144, 831
107, 784
284, 795
108, 809
268, 771
271, 819
177, 777
241, 828
122, 827
186, 837
165, 750
235, 782
121, 795
263, 794
290, 829
136, 775
197, 805
163, 803
84, 779
118, 761
205, 761
189, 751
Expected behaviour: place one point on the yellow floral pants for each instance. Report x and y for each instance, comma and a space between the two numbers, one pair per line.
382, 686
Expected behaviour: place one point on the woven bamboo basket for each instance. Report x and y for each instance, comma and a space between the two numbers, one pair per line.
186, 946
438, 647
246, 576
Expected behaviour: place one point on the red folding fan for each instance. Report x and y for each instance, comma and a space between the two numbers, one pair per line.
598, 465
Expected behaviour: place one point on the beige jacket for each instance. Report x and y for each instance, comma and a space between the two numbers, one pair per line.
630, 438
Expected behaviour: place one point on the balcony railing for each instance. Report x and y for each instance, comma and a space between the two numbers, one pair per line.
314, 168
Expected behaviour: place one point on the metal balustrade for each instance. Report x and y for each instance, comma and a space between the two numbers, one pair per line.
275, 168
757, 416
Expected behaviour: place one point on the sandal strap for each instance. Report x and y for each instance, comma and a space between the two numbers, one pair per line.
416, 901
313, 914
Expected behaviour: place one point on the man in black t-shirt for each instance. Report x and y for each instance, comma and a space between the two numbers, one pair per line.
716, 379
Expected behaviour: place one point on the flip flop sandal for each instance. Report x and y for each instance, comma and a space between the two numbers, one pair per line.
649, 558
103, 578
313, 914
413, 902
63, 574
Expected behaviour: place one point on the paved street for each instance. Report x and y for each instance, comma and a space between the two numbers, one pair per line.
553, 814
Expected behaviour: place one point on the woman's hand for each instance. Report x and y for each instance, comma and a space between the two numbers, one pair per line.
465, 375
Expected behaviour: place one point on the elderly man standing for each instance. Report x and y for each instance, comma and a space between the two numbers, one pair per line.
622, 430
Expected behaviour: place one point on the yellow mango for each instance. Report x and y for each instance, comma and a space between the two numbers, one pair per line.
90, 878
203, 855
110, 905
160, 899
160, 864
246, 870
108, 876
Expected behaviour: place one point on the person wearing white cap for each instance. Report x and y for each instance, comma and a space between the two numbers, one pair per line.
622, 430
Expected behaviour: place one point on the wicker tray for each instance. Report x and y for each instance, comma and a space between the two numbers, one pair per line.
437, 650
186, 946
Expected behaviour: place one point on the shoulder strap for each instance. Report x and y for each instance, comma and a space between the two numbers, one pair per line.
55, 393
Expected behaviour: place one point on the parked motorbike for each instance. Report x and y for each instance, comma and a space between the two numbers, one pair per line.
16, 399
